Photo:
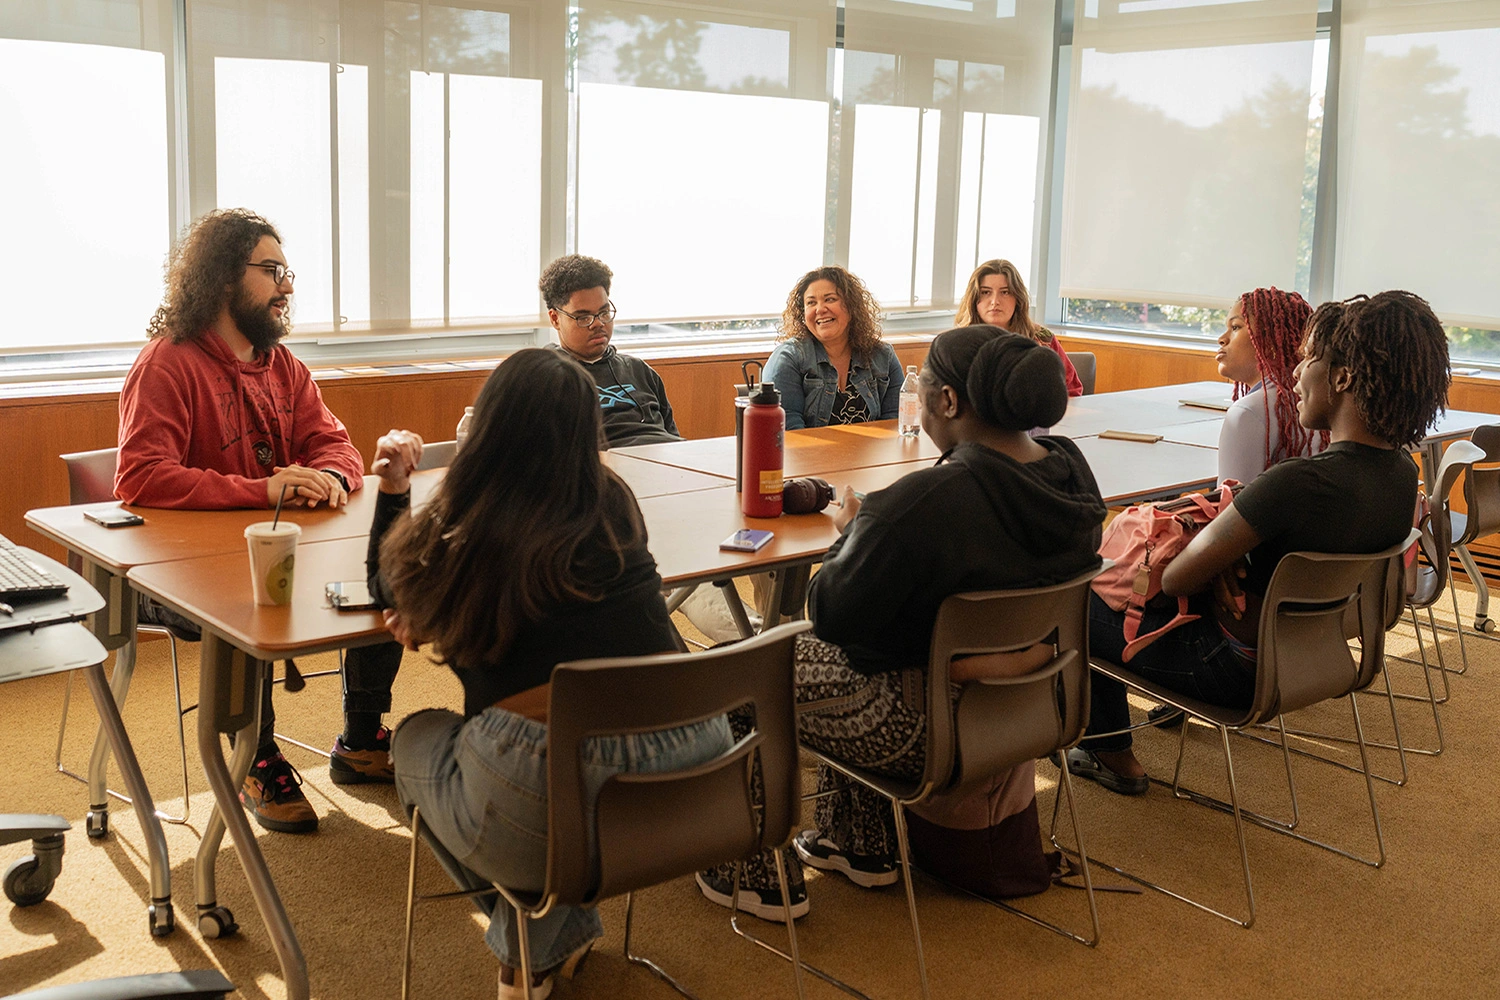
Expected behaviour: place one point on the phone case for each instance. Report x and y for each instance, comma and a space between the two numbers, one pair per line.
746, 540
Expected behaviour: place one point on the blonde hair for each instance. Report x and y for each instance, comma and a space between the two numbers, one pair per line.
1020, 321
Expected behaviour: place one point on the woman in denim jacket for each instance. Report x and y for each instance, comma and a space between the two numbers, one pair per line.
832, 367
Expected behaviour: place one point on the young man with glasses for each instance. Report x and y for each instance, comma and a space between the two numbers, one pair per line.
631, 394
216, 414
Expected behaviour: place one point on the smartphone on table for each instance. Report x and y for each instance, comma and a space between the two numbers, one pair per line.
349, 595
113, 517
746, 540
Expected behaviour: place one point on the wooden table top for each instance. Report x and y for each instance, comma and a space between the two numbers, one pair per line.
654, 479
1137, 409
809, 452
1133, 470
214, 591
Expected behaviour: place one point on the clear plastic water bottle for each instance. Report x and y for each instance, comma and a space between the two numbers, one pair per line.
463, 427
908, 421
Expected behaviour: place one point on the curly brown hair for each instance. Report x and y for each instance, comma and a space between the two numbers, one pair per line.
1020, 320
572, 273
1397, 352
864, 312
205, 266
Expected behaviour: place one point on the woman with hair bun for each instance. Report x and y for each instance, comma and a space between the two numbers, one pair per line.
1258, 351
996, 295
999, 510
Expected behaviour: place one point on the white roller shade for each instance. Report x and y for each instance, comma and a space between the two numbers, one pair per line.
1187, 143
1419, 155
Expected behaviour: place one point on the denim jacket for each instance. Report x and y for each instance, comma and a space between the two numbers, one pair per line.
808, 381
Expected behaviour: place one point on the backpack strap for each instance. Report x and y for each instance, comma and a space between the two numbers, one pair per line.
1135, 642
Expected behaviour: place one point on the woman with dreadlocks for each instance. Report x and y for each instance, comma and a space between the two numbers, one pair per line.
1258, 351
1373, 375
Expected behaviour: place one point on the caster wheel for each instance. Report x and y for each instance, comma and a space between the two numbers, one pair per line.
1486, 625
217, 922
161, 919
97, 823
26, 884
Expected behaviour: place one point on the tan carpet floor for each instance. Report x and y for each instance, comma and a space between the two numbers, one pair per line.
1424, 925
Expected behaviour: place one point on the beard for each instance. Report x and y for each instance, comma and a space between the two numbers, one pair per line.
255, 320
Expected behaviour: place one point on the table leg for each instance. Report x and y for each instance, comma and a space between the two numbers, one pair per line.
159, 913
229, 685
97, 822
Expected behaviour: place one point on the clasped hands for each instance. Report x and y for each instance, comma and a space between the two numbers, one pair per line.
305, 487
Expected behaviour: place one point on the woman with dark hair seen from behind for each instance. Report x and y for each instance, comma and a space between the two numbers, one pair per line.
999, 510
1374, 374
1258, 351
528, 493
996, 295
831, 366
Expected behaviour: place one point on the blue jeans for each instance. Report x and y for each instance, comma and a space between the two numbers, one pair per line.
1193, 659
482, 787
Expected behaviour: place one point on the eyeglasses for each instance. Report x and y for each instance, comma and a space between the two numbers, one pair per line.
279, 272
587, 320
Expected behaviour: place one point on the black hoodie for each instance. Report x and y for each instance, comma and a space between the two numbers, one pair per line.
632, 399
978, 520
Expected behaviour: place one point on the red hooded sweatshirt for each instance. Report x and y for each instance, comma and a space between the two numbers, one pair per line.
202, 430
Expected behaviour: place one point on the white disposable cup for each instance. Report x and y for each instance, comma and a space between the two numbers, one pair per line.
273, 560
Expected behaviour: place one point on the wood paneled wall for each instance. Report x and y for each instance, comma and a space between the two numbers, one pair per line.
699, 384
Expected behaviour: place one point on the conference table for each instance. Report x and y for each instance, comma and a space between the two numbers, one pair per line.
196, 563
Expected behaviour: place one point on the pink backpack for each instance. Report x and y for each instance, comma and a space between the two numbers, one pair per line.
1141, 541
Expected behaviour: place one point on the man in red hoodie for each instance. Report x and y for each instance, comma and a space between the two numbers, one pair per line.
217, 413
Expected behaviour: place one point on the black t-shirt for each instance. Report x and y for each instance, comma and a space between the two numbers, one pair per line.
1352, 498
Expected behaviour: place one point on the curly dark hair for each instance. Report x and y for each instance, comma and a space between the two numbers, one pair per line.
1397, 352
205, 266
572, 273
864, 312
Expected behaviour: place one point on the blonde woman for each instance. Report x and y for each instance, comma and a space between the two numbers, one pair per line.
996, 295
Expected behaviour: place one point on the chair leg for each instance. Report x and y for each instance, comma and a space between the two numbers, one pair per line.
791, 923
524, 934
1397, 746
644, 962
911, 896
734, 925
411, 903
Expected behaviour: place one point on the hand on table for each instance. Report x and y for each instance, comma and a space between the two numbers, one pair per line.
397, 454
305, 487
849, 503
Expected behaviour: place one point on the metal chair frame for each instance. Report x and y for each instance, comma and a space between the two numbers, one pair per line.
963, 749
1312, 601
643, 694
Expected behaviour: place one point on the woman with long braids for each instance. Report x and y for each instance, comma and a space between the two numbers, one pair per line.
996, 295
1258, 351
1373, 375
530, 553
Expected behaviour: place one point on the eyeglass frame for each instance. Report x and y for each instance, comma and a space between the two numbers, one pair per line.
593, 318
287, 274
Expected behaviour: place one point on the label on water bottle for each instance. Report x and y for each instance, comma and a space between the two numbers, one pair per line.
770, 481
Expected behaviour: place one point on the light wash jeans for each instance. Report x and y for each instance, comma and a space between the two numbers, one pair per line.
482, 789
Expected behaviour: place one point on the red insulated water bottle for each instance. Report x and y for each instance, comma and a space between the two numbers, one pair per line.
761, 461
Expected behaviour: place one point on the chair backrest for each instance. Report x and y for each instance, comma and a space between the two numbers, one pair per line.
1303, 652
1085, 365
995, 724
437, 455
1482, 488
651, 827
91, 475
1437, 526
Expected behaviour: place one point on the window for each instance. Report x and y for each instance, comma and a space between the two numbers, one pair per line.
85, 192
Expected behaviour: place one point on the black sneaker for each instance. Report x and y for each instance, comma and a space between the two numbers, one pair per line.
868, 870
764, 903
1165, 717
273, 794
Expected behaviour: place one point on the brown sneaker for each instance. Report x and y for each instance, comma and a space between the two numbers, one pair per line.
359, 767
273, 794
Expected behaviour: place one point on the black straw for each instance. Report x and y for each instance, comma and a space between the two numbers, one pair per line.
279, 501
